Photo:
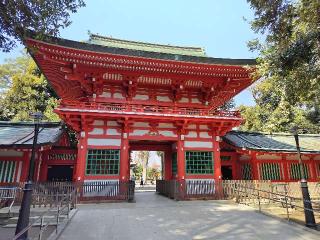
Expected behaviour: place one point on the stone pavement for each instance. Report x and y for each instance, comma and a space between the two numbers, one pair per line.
154, 217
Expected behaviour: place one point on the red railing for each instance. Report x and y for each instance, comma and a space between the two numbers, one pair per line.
147, 109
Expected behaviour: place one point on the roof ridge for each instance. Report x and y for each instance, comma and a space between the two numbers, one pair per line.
92, 36
276, 133
25, 123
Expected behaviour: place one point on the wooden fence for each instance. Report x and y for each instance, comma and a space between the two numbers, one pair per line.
225, 189
51, 193
106, 191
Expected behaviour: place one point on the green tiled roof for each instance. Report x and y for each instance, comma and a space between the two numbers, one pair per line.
21, 134
181, 56
279, 142
143, 46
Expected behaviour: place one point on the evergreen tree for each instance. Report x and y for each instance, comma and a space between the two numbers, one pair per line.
17, 17
25, 90
289, 64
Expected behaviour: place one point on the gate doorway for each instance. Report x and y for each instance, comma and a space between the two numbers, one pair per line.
226, 172
146, 166
150, 161
60, 173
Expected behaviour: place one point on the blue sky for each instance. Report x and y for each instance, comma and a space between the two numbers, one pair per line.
216, 25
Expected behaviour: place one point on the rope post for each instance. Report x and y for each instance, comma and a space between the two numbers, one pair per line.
41, 224
286, 199
259, 200
58, 215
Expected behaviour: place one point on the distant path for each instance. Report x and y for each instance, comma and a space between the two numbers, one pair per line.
154, 217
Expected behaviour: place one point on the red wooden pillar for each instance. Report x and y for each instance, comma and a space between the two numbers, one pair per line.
313, 171
180, 158
285, 168
216, 158
79, 172
254, 166
124, 159
25, 166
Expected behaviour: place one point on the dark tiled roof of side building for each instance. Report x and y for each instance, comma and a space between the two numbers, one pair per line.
277, 142
21, 134
102, 48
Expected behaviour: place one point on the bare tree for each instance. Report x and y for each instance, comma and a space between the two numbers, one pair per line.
143, 159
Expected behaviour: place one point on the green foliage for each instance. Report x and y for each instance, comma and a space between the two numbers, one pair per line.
153, 174
137, 170
26, 90
289, 64
41, 17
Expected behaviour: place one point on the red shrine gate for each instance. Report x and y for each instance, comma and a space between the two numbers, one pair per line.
122, 95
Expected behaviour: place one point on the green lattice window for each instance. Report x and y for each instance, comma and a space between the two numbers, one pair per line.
246, 171
295, 171
7, 170
270, 171
103, 162
199, 162
174, 164
225, 158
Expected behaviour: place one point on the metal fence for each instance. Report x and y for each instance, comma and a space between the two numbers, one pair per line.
191, 189
282, 205
41, 223
106, 191
283, 200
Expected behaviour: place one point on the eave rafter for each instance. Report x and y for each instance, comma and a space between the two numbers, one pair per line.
143, 65
83, 74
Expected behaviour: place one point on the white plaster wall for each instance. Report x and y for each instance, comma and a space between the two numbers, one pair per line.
118, 96
112, 124
10, 153
195, 100
183, 100
113, 132
141, 124
203, 127
139, 132
166, 125
141, 97
98, 123
204, 135
106, 94
296, 157
104, 142
168, 133
196, 144
245, 157
192, 126
163, 99
268, 157
192, 134
97, 131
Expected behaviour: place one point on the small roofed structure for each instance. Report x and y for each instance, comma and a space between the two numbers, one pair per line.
16, 139
271, 156
20, 134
